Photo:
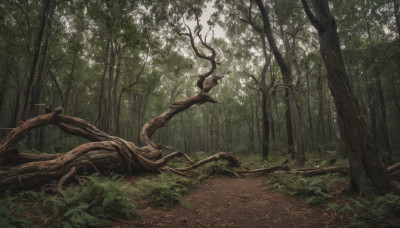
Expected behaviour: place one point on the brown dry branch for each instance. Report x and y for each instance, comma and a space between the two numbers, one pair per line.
265, 170
315, 172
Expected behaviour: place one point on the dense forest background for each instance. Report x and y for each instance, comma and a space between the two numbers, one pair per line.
118, 64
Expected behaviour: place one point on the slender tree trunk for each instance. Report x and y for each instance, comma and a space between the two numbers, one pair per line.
385, 131
106, 63
33, 82
289, 131
14, 114
310, 125
382, 107
250, 123
287, 78
3, 86
70, 81
265, 129
367, 173
277, 116
320, 121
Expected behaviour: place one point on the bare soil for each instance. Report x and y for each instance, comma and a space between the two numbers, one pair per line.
236, 202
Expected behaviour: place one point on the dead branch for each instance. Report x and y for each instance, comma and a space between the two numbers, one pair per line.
394, 167
265, 170
65, 178
315, 172
221, 155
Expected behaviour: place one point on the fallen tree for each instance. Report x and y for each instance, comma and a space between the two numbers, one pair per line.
336, 169
104, 152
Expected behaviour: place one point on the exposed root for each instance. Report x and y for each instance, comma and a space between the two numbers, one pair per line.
65, 178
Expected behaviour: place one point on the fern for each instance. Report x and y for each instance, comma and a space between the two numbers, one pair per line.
100, 200
391, 202
10, 213
378, 211
300, 186
357, 223
165, 190
343, 209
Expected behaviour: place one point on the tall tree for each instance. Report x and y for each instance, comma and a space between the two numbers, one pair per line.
367, 173
287, 78
39, 54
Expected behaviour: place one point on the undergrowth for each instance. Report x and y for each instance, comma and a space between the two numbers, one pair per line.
165, 190
379, 211
11, 211
313, 189
100, 200
215, 168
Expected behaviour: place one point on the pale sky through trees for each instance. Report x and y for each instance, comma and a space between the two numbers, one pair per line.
207, 12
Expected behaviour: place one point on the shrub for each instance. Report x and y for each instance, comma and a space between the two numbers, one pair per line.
10, 212
101, 199
378, 211
312, 188
165, 190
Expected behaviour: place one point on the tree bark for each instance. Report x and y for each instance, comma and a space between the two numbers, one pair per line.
367, 173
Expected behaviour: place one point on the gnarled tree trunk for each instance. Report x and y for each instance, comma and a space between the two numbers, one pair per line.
104, 152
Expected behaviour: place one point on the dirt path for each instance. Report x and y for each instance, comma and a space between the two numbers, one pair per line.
236, 202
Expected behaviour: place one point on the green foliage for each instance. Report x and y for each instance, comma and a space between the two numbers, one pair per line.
355, 223
165, 190
217, 167
251, 161
363, 211
313, 189
391, 202
343, 209
199, 155
101, 199
10, 212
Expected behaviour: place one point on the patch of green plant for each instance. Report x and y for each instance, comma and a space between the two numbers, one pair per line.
368, 210
357, 223
13, 212
178, 163
199, 155
10, 213
93, 205
251, 161
391, 203
343, 209
165, 190
312, 189
377, 211
217, 167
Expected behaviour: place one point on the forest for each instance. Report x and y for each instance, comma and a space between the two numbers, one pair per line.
206, 113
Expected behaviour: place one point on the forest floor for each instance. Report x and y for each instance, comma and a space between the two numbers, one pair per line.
225, 201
